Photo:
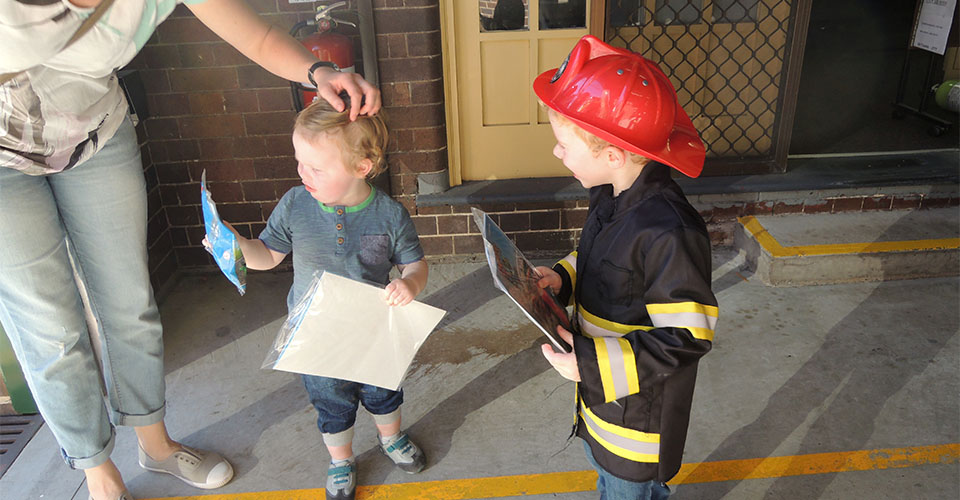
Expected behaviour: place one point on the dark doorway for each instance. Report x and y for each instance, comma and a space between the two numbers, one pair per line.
852, 63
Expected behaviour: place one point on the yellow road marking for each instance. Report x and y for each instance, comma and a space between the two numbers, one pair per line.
569, 482
771, 245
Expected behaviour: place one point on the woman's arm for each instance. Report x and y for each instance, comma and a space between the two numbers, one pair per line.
279, 53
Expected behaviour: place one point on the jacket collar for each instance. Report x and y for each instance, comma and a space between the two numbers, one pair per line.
652, 179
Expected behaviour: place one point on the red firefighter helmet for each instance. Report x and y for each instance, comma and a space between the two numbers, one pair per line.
624, 99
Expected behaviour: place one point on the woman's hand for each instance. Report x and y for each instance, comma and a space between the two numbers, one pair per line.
330, 83
564, 363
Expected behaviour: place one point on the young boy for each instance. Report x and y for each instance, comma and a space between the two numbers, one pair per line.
640, 278
338, 222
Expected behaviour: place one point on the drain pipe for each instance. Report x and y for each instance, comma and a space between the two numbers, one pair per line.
368, 41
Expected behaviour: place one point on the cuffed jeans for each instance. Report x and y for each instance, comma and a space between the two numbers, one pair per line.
99, 209
337, 401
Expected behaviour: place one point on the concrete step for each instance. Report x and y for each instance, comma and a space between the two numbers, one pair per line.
812, 249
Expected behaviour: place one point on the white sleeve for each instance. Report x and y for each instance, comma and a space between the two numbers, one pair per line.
31, 34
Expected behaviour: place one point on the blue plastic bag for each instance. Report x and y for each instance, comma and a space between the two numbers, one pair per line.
222, 242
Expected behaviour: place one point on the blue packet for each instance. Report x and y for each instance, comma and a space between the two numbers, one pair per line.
222, 241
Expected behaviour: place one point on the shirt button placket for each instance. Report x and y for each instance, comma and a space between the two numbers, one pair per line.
340, 235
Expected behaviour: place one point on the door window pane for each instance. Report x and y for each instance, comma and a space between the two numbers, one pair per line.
625, 13
735, 11
562, 14
678, 12
499, 15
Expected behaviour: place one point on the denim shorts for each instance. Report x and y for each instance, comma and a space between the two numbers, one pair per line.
337, 401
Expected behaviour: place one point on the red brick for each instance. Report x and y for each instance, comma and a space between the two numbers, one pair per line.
183, 216
935, 202
168, 104
545, 220
226, 192
217, 148
168, 194
757, 208
435, 210
395, 94
269, 122
195, 234
275, 100
430, 92
572, 219
184, 150
160, 56
207, 103
437, 245
781, 207
452, 224
241, 101
463, 245
179, 236
194, 79
515, 222
430, 138
162, 128
240, 212
417, 161
155, 81
721, 213
285, 185
197, 55
423, 44
275, 168
904, 202
408, 20
818, 207
193, 256
189, 193
425, 225
255, 77
848, 204
541, 242
225, 55
259, 191
211, 126
223, 170
427, 115
184, 30
877, 202
411, 69
279, 145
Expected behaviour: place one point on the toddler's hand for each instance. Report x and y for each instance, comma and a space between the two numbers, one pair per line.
550, 278
400, 292
564, 363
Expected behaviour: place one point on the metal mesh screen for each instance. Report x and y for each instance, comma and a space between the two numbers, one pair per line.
724, 57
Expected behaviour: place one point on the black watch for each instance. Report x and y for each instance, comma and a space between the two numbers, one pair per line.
319, 64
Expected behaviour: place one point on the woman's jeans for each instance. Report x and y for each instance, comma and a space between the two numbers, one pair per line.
97, 212
613, 488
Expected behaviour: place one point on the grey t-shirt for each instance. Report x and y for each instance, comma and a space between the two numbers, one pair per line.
363, 242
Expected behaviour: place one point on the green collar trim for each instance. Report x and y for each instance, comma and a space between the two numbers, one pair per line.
355, 208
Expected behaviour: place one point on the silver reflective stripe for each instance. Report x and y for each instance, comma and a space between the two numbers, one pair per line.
631, 449
684, 319
618, 372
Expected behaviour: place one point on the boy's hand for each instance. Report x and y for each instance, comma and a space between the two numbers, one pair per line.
400, 292
550, 278
564, 363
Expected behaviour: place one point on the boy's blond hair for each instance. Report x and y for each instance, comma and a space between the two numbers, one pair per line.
364, 138
595, 143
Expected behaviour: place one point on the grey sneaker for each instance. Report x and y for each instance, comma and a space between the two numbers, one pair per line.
198, 468
404, 453
342, 480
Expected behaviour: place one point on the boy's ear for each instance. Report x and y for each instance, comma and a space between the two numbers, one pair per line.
614, 156
364, 167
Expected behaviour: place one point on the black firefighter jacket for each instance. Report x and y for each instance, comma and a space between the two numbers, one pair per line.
640, 282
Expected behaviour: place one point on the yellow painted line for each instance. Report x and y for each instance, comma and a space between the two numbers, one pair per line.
569, 482
775, 249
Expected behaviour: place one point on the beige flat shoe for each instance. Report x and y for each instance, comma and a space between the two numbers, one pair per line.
198, 468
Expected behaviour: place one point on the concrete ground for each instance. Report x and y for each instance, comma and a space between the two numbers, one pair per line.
806, 373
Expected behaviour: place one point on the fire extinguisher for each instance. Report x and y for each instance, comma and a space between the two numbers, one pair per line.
325, 45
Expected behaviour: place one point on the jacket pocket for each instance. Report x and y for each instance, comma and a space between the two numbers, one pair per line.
616, 284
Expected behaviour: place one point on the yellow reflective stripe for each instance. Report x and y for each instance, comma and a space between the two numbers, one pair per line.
605, 328
630, 367
678, 307
627, 443
701, 333
606, 374
569, 263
